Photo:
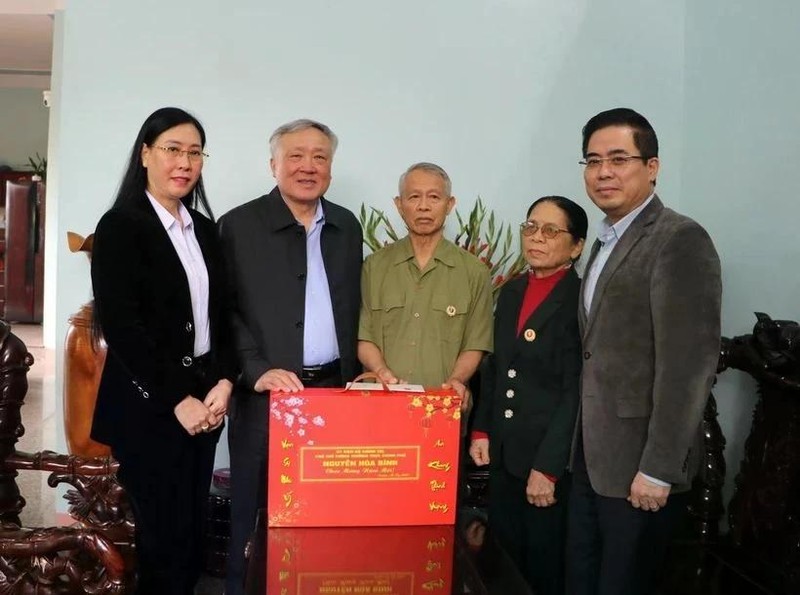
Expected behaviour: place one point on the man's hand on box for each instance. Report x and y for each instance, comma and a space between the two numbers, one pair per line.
461, 390
278, 380
386, 376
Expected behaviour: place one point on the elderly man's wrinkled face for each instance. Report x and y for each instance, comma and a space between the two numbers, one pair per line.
302, 165
424, 203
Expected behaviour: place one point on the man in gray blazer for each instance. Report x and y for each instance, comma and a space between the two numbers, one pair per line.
650, 322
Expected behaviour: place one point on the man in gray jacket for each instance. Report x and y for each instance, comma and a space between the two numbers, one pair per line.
650, 323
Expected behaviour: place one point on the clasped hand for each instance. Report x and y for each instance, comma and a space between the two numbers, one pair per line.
479, 451
204, 416
540, 490
646, 495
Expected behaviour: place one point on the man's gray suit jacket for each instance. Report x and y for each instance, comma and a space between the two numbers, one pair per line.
651, 343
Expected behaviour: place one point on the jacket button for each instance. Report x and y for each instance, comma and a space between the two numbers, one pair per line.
146, 395
512, 373
510, 393
188, 327
186, 361
587, 354
301, 276
508, 413
298, 324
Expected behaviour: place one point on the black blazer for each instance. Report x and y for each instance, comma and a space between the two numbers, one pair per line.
143, 304
265, 252
530, 388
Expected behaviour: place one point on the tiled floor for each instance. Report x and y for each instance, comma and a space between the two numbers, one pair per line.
39, 419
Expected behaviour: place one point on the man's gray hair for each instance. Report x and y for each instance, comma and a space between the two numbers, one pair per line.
430, 168
297, 126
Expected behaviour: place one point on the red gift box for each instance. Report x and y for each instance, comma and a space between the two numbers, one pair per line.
360, 560
362, 458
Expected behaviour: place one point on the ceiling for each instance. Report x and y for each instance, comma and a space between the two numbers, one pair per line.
26, 43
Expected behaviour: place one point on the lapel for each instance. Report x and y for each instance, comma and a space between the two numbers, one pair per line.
538, 319
581, 308
638, 229
173, 274
513, 294
165, 248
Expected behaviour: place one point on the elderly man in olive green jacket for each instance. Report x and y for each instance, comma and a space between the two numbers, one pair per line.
426, 311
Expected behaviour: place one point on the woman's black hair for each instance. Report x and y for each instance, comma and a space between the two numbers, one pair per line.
134, 182
577, 221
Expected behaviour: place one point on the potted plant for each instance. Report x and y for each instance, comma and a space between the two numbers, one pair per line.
38, 165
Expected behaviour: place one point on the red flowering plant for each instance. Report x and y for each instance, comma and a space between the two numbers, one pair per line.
478, 233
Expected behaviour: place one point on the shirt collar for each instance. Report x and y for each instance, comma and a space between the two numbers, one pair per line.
445, 251
319, 214
607, 232
166, 218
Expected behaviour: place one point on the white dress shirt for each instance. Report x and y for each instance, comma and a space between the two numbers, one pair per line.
185, 242
608, 235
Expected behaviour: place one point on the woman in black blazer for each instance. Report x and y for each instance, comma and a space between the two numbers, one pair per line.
158, 281
530, 393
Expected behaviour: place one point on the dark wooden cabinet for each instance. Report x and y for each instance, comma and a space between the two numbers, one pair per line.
6, 176
20, 177
23, 275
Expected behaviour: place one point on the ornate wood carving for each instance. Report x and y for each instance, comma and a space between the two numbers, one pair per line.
58, 559
706, 507
764, 513
15, 361
98, 500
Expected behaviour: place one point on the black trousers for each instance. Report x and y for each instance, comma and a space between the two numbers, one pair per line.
532, 536
612, 547
168, 491
247, 444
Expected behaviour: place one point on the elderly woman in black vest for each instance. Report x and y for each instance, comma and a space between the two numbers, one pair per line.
530, 393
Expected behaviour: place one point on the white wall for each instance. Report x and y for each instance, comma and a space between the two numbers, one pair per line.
23, 126
496, 91
741, 143
54, 240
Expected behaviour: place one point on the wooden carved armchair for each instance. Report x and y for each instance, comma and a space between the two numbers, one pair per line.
95, 555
